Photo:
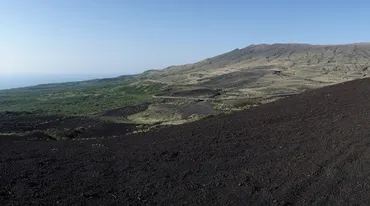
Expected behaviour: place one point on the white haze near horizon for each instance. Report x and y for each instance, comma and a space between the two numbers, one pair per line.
8, 81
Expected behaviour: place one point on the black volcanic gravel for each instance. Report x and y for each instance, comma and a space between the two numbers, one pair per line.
309, 149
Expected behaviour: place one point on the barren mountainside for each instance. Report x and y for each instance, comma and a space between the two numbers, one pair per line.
265, 69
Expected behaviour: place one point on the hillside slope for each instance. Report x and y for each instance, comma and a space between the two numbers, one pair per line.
308, 149
266, 70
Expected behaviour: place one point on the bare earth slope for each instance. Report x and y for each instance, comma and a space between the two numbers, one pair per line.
266, 70
308, 149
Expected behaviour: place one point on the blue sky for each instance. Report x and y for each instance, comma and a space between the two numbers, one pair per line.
111, 37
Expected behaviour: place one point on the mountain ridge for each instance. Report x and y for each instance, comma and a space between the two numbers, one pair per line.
314, 65
271, 45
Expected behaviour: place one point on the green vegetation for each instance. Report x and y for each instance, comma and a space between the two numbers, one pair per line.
11, 134
78, 98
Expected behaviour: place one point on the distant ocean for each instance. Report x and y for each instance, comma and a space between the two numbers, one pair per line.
15, 81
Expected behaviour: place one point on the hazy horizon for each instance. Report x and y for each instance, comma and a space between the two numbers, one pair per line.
19, 80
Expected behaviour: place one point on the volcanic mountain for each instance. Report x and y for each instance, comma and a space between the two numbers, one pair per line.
269, 69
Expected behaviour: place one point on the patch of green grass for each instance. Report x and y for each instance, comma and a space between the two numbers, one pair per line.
12, 134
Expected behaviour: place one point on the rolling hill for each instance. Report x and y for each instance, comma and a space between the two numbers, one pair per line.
264, 70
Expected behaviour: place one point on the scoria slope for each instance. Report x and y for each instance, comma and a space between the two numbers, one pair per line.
308, 149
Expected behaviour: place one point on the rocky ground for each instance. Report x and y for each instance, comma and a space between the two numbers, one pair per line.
26, 126
307, 149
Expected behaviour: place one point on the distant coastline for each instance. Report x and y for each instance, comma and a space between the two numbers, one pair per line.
15, 81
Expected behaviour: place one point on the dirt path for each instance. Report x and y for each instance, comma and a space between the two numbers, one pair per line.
309, 149
227, 98
184, 98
